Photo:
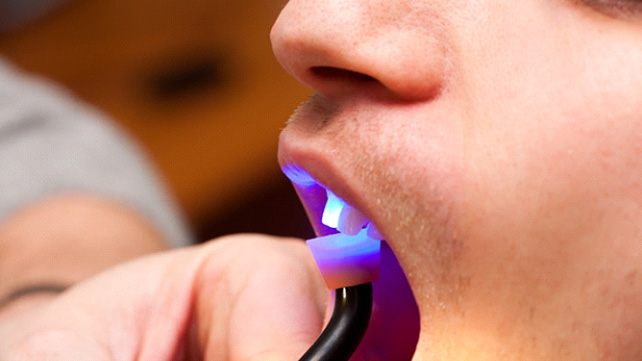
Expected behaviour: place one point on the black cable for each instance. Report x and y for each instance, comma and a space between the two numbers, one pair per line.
350, 318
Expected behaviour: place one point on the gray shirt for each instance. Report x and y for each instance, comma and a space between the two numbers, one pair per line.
51, 143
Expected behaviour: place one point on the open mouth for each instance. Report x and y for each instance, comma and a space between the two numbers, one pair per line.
328, 213
350, 251
352, 256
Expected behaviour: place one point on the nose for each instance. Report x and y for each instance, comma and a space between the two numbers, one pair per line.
338, 47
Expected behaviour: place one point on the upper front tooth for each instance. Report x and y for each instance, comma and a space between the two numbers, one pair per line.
351, 221
332, 210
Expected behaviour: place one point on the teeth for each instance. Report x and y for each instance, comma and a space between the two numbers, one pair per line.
347, 219
332, 210
351, 221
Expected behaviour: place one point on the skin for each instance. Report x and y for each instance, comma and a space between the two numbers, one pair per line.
65, 239
243, 297
497, 145
199, 303
123, 296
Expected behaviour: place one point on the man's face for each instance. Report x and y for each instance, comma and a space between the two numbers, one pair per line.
497, 145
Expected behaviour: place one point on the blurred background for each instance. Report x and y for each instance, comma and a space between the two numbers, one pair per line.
194, 81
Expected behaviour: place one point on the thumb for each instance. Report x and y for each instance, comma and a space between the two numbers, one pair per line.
267, 302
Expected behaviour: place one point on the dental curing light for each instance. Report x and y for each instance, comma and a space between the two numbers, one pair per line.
349, 264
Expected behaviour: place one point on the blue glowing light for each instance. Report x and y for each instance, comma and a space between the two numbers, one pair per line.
332, 210
298, 175
345, 260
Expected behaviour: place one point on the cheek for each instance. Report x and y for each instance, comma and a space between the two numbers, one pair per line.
557, 133
562, 168
553, 198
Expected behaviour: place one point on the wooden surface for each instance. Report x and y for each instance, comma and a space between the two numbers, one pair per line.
194, 81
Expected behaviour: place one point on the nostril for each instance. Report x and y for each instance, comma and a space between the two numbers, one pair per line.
332, 73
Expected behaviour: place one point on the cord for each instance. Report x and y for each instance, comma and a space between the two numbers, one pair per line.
350, 318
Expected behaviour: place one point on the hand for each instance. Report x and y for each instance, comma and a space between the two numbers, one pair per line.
244, 297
